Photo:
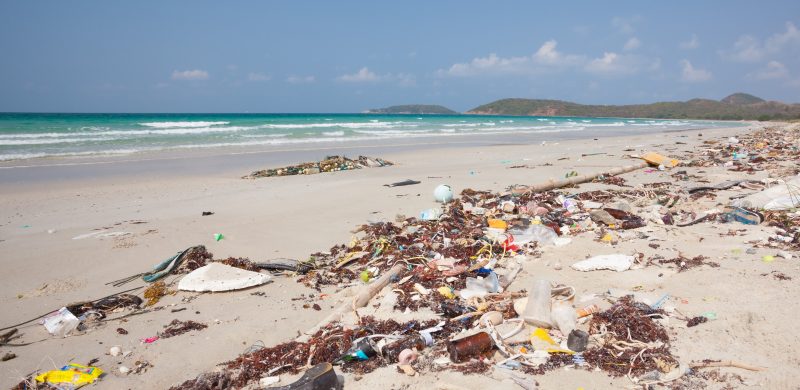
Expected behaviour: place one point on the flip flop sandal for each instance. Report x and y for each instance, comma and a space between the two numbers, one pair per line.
320, 377
744, 216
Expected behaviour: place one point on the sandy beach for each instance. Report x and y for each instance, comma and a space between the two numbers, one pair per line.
157, 204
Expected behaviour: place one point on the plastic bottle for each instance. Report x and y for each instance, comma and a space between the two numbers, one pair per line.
361, 350
563, 315
537, 311
468, 347
419, 341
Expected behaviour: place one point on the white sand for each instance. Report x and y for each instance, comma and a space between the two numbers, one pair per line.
299, 215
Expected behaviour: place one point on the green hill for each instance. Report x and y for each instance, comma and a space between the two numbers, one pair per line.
418, 109
742, 98
739, 106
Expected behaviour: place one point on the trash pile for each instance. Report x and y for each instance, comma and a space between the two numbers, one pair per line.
329, 164
459, 261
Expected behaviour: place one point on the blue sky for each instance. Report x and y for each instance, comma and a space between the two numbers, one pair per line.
348, 56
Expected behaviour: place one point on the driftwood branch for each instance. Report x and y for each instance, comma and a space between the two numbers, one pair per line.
361, 299
553, 184
727, 363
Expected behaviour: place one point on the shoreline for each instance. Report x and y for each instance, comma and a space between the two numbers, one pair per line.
295, 216
235, 161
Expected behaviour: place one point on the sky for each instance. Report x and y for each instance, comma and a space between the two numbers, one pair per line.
349, 56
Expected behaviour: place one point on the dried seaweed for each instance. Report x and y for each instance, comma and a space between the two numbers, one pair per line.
683, 263
155, 292
176, 328
696, 321
641, 344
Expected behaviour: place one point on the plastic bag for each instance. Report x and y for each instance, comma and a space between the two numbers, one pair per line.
539, 233
61, 322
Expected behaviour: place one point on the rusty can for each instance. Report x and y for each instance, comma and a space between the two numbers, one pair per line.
468, 347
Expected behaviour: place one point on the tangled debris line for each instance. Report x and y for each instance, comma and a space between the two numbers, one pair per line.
327, 345
682, 263
103, 307
329, 164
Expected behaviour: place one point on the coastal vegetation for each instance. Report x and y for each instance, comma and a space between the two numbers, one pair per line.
418, 109
738, 106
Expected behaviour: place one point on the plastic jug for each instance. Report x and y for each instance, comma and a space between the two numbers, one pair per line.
537, 311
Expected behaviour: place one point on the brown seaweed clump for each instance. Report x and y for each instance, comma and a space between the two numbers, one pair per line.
176, 328
154, 293
631, 342
683, 263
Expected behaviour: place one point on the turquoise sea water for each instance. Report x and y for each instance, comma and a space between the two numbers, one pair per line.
25, 136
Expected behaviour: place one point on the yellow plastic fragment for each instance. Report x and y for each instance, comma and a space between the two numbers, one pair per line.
542, 334
446, 292
657, 159
497, 224
73, 374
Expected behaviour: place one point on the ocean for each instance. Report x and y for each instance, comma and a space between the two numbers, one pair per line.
28, 136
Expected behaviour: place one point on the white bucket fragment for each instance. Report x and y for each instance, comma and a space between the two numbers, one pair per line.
100, 235
779, 197
220, 277
616, 262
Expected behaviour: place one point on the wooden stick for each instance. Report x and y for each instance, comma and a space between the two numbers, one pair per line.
727, 363
360, 300
553, 184
375, 287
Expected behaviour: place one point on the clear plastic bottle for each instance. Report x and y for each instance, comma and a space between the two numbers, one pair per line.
564, 317
537, 311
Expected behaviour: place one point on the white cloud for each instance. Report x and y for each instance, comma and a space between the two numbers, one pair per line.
625, 25
544, 59
749, 49
618, 64
746, 49
632, 44
790, 37
300, 79
773, 70
195, 74
693, 75
692, 43
606, 64
258, 77
364, 75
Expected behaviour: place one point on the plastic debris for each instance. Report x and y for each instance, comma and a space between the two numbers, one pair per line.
443, 193
72, 374
61, 322
220, 277
616, 262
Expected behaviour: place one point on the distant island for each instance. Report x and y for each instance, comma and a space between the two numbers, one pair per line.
417, 109
738, 106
